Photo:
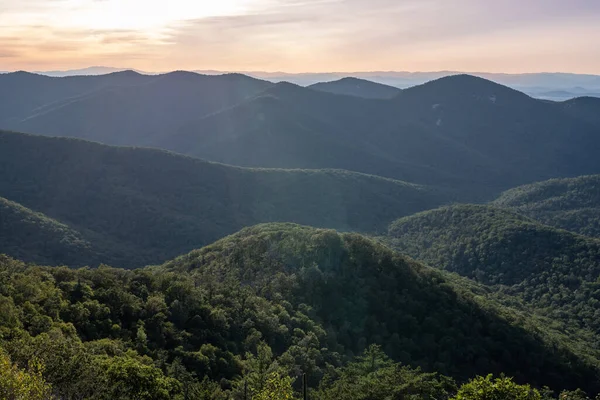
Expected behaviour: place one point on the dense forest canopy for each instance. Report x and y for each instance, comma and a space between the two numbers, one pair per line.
277, 300
556, 271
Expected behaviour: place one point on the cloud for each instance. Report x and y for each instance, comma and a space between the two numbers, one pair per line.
320, 35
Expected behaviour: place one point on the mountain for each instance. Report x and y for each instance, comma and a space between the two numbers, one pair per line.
460, 132
572, 204
293, 127
32, 92
364, 292
136, 114
144, 206
357, 87
556, 86
524, 137
33, 237
276, 299
555, 271
585, 108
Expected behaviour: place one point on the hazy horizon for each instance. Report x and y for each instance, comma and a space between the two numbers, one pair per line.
302, 36
284, 72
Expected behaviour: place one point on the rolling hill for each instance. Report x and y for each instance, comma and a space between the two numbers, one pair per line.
357, 87
555, 271
572, 204
144, 206
364, 292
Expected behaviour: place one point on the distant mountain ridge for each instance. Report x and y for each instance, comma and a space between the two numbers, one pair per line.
542, 85
120, 108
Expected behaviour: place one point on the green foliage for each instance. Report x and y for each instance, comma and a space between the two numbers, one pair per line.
127, 378
373, 376
276, 387
259, 309
488, 388
18, 384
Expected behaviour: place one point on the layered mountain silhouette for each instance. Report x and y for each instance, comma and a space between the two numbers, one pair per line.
459, 131
135, 111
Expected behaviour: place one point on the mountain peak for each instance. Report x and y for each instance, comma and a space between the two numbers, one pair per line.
465, 85
125, 73
358, 87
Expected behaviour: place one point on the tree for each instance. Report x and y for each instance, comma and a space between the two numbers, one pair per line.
129, 378
276, 387
487, 388
18, 384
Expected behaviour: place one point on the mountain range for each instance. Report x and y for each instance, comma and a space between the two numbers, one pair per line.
554, 86
463, 132
188, 235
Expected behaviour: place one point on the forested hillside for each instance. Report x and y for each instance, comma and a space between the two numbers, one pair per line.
268, 302
555, 271
572, 204
142, 206
33, 237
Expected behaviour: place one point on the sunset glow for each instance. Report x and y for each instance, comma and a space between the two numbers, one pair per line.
302, 35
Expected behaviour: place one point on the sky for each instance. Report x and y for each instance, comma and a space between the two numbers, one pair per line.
511, 36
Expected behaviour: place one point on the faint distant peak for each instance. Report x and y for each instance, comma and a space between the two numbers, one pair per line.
181, 74
125, 73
